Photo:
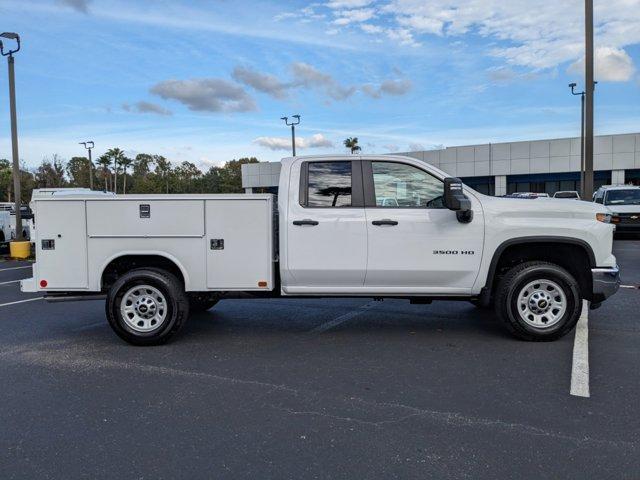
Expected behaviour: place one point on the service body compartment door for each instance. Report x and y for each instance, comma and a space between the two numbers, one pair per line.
61, 246
239, 244
145, 218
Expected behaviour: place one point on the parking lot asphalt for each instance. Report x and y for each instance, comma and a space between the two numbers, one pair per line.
290, 388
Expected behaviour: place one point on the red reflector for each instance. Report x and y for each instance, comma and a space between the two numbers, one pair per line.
262, 284
43, 283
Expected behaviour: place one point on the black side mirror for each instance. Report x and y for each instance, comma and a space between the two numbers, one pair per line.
456, 200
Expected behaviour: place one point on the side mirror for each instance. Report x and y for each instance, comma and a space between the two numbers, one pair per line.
456, 200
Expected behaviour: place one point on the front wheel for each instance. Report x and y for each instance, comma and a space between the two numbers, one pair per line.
538, 301
147, 306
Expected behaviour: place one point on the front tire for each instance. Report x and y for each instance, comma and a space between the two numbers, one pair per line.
538, 301
147, 306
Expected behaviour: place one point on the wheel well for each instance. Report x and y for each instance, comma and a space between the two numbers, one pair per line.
125, 263
572, 257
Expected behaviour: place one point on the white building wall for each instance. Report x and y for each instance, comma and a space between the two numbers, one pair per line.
611, 152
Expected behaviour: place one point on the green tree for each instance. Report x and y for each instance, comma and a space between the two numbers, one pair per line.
186, 175
6, 178
164, 172
78, 171
125, 162
105, 162
116, 155
50, 173
230, 177
352, 144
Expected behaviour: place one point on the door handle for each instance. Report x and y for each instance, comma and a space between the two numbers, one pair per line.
306, 221
386, 221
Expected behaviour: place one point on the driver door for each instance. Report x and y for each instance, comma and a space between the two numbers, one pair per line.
414, 242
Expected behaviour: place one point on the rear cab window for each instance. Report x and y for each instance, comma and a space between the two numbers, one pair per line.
330, 184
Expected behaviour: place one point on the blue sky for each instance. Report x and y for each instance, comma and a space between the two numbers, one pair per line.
207, 81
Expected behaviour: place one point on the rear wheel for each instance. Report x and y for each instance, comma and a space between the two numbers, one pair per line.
538, 301
147, 306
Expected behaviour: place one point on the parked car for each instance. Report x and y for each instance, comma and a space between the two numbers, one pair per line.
5, 226
623, 203
570, 194
158, 257
529, 195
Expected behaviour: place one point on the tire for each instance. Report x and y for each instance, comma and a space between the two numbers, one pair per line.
545, 294
201, 303
154, 312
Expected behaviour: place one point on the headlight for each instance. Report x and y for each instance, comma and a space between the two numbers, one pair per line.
603, 217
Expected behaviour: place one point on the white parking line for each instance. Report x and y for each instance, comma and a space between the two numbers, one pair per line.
630, 286
13, 268
20, 301
342, 318
580, 367
11, 281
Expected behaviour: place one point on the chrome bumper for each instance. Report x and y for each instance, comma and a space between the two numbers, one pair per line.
606, 281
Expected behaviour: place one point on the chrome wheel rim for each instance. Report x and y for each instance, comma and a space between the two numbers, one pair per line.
542, 303
143, 308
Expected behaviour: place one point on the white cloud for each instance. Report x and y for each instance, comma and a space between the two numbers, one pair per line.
308, 76
540, 36
260, 81
369, 28
284, 143
391, 147
348, 3
81, 6
346, 17
206, 94
146, 107
610, 64
403, 36
390, 87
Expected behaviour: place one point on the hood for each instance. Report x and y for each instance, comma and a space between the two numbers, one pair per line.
542, 207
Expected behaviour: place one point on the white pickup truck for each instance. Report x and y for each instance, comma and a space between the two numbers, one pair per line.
344, 226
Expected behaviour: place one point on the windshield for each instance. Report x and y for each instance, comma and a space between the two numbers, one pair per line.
623, 197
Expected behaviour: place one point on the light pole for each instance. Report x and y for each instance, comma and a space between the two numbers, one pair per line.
89, 146
572, 86
293, 130
589, 90
14, 128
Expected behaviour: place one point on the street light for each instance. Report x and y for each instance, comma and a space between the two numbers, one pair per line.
589, 91
14, 127
582, 94
293, 130
89, 145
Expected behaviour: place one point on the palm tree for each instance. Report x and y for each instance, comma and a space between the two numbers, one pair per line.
116, 155
125, 162
105, 162
352, 143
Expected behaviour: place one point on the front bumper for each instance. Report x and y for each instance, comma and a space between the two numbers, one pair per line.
606, 281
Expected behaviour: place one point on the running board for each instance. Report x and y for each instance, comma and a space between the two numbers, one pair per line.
53, 298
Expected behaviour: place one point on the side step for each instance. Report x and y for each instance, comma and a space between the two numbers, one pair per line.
73, 297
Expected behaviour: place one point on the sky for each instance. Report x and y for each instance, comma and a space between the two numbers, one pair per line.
208, 80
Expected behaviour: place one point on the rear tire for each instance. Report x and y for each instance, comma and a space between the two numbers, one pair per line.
538, 301
147, 306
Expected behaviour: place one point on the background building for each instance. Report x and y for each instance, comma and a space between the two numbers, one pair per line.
503, 168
